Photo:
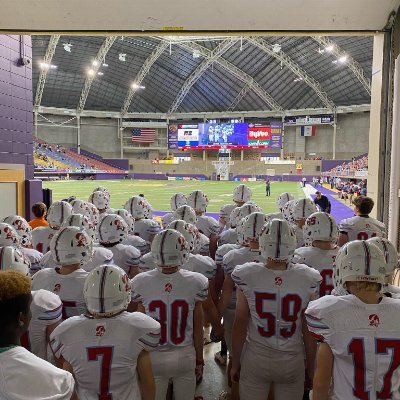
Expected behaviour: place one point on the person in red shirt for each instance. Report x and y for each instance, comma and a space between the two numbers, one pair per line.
40, 212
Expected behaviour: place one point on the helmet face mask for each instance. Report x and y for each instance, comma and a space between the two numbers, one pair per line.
22, 228
57, 213
277, 240
359, 261
112, 229
242, 194
71, 245
115, 287
185, 213
12, 259
169, 249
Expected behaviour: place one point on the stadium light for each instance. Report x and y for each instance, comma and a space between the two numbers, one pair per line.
90, 72
67, 47
95, 63
135, 86
122, 57
100, 73
329, 48
342, 59
105, 65
44, 65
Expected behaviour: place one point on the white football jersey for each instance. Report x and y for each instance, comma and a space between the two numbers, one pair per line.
41, 238
147, 263
145, 228
202, 264
103, 352
34, 257
299, 236
46, 309
26, 376
228, 236
364, 339
166, 219
276, 300
224, 249
170, 299
362, 228
137, 242
68, 287
322, 261
125, 256
207, 225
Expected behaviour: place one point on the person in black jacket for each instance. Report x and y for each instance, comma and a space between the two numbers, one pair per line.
322, 202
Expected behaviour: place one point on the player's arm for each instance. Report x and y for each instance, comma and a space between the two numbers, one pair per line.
133, 271
226, 294
310, 348
343, 239
146, 378
211, 313
198, 321
213, 245
240, 328
323, 373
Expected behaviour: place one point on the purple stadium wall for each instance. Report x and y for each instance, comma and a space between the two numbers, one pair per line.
16, 105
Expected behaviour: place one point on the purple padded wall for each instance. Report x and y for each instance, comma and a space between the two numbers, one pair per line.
16, 103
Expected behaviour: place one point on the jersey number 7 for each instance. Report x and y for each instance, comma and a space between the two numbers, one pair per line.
290, 307
382, 346
106, 354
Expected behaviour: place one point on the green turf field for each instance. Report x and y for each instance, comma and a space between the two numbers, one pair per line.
159, 192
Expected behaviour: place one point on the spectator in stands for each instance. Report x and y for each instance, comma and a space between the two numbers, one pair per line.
322, 202
39, 211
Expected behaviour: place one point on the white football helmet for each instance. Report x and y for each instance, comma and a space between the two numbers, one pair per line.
277, 240
112, 229
107, 291
282, 199
94, 213
12, 259
198, 201
100, 199
247, 209
250, 227
83, 222
189, 232
234, 217
71, 245
148, 210
287, 211
359, 261
177, 200
58, 212
22, 227
321, 226
8, 235
169, 249
127, 217
242, 194
303, 208
136, 205
80, 207
186, 213
102, 189
389, 251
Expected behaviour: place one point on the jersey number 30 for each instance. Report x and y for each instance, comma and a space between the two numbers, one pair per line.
383, 347
290, 308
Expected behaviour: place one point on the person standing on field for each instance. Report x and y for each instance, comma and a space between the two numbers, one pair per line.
268, 187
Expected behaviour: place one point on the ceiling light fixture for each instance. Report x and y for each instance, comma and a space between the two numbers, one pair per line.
122, 56
67, 47
44, 65
329, 48
298, 80
342, 59
334, 61
90, 72
135, 86
276, 48
105, 65
95, 63
100, 73
196, 54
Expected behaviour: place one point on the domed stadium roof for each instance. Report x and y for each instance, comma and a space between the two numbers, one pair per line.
201, 73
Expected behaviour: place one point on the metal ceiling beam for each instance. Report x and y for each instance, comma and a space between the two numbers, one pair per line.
144, 70
238, 73
48, 57
246, 89
200, 70
295, 68
101, 54
351, 63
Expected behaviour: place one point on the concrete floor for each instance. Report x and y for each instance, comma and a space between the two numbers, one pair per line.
214, 377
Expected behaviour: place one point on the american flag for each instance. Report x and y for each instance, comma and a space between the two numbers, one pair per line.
143, 135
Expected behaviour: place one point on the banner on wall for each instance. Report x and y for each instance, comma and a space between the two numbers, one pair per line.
307, 120
276, 135
259, 135
173, 137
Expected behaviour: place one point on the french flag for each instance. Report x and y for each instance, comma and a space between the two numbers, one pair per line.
308, 130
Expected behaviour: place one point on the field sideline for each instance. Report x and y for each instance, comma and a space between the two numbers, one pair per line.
159, 192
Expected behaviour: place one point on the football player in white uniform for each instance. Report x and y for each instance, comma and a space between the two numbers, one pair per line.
112, 231
230, 235
206, 225
100, 255
321, 231
173, 297
46, 307
101, 201
302, 209
107, 348
70, 248
145, 226
271, 297
359, 357
177, 200
361, 226
57, 213
282, 200
24, 232
23, 374
248, 231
